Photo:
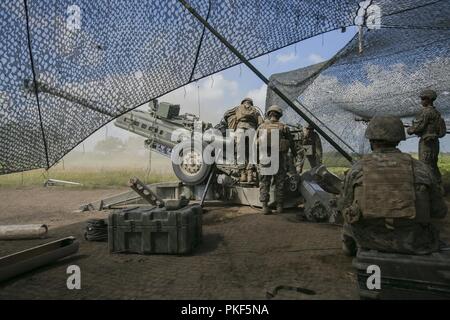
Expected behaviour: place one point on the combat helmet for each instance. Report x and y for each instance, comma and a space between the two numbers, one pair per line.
430, 94
386, 128
247, 99
276, 109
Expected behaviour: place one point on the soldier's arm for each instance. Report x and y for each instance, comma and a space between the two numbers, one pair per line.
346, 197
260, 119
419, 124
352, 178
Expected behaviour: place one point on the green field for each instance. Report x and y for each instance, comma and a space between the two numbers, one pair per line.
113, 176
89, 178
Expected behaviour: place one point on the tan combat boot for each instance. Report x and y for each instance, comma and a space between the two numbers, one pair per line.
266, 209
279, 208
249, 176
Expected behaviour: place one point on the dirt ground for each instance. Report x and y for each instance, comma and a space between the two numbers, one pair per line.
243, 255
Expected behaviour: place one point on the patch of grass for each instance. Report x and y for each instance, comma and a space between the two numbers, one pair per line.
113, 177
88, 177
339, 171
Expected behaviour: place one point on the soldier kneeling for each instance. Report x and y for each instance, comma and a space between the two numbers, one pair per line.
389, 198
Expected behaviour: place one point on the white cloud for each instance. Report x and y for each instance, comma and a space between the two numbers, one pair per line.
315, 58
286, 57
258, 96
217, 94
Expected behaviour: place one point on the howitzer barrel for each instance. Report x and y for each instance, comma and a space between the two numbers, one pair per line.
149, 126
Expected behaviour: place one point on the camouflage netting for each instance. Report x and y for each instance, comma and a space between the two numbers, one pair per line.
125, 53
410, 52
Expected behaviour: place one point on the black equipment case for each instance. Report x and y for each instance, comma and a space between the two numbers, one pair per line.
152, 230
405, 276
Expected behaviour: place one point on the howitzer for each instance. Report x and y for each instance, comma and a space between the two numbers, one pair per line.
166, 130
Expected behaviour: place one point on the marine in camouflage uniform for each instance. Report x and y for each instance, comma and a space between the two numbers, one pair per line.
313, 144
244, 117
295, 163
274, 113
426, 126
389, 198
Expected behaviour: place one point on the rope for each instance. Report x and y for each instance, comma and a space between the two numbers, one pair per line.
35, 87
270, 295
149, 164
200, 43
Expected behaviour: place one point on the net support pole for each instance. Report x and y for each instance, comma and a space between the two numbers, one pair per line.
277, 91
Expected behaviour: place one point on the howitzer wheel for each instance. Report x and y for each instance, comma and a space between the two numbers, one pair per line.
192, 170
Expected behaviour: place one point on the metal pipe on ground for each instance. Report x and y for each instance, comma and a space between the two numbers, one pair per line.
30, 259
22, 232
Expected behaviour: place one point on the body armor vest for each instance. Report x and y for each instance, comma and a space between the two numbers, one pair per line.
388, 187
246, 114
269, 126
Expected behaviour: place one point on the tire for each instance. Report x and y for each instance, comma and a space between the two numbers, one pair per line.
189, 174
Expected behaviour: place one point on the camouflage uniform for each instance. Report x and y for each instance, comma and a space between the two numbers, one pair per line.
245, 117
278, 180
426, 126
312, 140
295, 163
389, 198
286, 143
230, 118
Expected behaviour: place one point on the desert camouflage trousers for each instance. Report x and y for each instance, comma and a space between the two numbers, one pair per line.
278, 181
415, 238
429, 153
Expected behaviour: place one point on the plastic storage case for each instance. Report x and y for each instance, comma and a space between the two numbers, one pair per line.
405, 276
154, 230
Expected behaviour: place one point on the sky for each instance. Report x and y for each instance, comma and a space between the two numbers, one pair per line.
212, 96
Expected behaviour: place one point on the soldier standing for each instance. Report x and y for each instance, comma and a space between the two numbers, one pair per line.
246, 116
389, 198
313, 146
272, 122
295, 164
429, 126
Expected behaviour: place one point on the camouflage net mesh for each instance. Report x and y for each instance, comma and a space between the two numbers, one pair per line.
410, 52
61, 80
124, 54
